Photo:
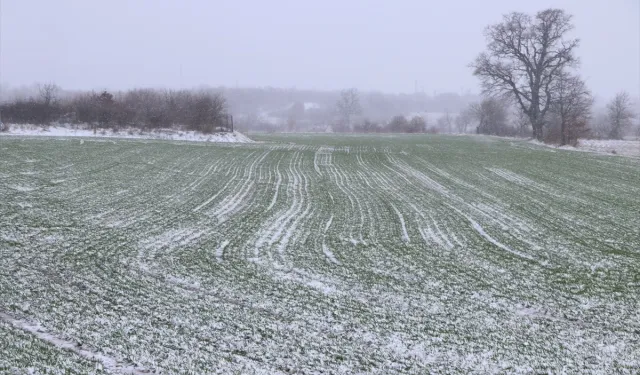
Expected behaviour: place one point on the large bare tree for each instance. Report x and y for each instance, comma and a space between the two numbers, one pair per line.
524, 58
571, 105
619, 114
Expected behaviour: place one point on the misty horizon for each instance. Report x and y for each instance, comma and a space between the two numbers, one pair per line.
394, 48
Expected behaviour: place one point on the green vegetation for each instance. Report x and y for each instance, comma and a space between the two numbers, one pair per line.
318, 254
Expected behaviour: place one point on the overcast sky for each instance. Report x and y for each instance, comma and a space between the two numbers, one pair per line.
321, 44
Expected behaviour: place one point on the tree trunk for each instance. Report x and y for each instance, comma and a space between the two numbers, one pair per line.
536, 125
563, 133
537, 131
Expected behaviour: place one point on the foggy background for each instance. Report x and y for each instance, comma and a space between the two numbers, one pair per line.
393, 47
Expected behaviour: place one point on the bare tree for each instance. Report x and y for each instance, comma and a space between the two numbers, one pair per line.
105, 105
3, 127
150, 107
367, 126
441, 123
619, 114
522, 122
445, 122
464, 119
525, 57
572, 106
48, 103
296, 113
399, 124
491, 115
207, 111
49, 93
348, 106
417, 125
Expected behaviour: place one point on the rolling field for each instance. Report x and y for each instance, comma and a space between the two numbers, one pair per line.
323, 254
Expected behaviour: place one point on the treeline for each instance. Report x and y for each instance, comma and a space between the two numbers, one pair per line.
398, 124
377, 105
569, 118
565, 123
202, 110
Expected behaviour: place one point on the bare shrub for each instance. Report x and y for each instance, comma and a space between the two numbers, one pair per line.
491, 116
620, 115
417, 125
398, 124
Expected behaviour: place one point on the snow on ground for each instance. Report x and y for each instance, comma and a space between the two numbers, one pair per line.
163, 134
109, 363
601, 146
431, 117
318, 254
609, 146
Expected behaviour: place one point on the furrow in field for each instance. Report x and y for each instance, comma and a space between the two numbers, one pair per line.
110, 363
340, 177
234, 172
281, 224
233, 203
325, 249
473, 277
405, 235
277, 187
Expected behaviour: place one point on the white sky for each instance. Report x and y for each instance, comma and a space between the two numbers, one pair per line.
329, 44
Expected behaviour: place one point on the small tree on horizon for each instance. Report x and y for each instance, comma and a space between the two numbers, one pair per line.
619, 114
417, 125
348, 106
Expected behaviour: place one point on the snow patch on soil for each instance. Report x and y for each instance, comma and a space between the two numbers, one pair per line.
161, 134
601, 146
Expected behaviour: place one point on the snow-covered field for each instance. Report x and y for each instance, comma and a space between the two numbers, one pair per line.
164, 134
621, 147
317, 254
602, 146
